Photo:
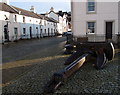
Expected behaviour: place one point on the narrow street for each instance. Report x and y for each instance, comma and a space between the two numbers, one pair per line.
32, 49
28, 73
21, 57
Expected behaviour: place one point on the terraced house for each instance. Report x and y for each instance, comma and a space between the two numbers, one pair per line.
17, 23
96, 20
61, 18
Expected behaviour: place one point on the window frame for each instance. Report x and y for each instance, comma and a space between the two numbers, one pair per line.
94, 27
15, 31
91, 12
24, 31
23, 19
15, 18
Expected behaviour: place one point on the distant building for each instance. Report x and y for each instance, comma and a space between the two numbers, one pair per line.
61, 17
95, 21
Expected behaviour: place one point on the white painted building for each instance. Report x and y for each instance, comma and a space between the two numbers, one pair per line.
17, 23
62, 25
94, 20
7, 20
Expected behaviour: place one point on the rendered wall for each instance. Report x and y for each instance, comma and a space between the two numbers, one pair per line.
105, 11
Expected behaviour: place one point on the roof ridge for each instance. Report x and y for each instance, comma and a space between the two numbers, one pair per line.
12, 8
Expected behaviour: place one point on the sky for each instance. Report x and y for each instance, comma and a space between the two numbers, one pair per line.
42, 6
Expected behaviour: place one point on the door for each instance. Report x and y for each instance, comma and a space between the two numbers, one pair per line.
16, 33
30, 32
109, 28
48, 32
6, 35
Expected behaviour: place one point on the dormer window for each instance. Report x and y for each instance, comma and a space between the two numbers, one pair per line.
91, 6
24, 19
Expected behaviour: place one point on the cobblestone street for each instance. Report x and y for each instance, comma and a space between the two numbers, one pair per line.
86, 80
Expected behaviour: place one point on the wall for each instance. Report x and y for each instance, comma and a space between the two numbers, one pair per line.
104, 12
119, 17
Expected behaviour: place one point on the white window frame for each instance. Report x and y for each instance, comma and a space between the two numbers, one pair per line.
94, 27
94, 6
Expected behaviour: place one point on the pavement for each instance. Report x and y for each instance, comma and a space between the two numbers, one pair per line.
87, 80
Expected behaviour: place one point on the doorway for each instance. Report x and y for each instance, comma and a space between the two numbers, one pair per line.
48, 32
109, 30
6, 35
30, 32
16, 33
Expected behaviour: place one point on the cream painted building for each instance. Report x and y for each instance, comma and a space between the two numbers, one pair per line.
95, 21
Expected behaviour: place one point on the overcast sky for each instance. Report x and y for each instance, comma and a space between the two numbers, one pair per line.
42, 6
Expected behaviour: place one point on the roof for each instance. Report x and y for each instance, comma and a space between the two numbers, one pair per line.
50, 19
13, 9
27, 13
7, 8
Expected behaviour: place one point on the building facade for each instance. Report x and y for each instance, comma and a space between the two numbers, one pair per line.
95, 21
17, 23
61, 17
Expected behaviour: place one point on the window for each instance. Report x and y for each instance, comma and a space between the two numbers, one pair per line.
91, 27
91, 5
45, 31
24, 31
40, 22
15, 31
24, 19
45, 23
15, 18
37, 29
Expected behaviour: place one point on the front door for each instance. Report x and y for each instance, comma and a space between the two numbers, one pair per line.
48, 32
6, 35
16, 33
109, 28
30, 32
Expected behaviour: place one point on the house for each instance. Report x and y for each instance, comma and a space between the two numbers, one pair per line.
17, 23
69, 21
9, 29
50, 26
30, 23
95, 21
61, 18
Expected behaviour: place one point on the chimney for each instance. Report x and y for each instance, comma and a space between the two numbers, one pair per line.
5, 1
52, 9
32, 9
46, 14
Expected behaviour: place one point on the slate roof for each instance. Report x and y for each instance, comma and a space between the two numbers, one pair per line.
27, 13
13, 9
50, 19
7, 8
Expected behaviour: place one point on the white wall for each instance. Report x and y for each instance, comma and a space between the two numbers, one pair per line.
119, 18
11, 25
105, 12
